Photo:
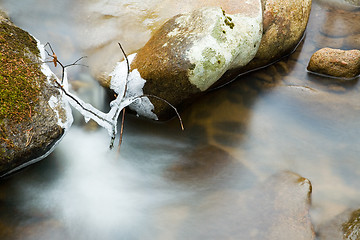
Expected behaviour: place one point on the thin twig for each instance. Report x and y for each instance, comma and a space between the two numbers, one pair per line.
77, 102
55, 60
128, 67
121, 129
125, 89
168, 103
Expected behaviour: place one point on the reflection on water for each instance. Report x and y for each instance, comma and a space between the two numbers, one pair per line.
280, 118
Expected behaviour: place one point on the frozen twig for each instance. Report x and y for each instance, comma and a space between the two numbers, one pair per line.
56, 61
106, 120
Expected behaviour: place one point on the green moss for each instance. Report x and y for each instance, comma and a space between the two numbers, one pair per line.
228, 20
19, 76
351, 229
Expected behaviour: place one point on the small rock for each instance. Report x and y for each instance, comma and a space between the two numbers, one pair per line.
191, 51
33, 116
336, 63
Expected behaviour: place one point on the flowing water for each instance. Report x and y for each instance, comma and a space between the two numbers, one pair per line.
277, 119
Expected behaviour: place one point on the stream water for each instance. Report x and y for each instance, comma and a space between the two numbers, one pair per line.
277, 119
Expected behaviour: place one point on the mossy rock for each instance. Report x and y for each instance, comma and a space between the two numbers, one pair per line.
28, 125
351, 228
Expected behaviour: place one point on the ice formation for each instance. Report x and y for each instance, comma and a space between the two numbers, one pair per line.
134, 83
127, 85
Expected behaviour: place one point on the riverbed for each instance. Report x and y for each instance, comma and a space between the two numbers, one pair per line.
277, 119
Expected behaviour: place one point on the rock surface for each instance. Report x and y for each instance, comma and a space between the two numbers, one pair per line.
183, 59
344, 226
33, 116
353, 2
338, 27
284, 26
336, 63
275, 209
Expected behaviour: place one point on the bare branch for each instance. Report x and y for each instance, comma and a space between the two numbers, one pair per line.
128, 67
168, 103
107, 120
121, 129
55, 60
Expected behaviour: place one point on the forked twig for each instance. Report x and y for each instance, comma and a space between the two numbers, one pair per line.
146, 95
107, 120
56, 61
172, 106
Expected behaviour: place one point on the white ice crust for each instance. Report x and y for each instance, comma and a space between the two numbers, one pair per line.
134, 88
129, 90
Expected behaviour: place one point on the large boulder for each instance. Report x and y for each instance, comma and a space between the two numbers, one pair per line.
33, 115
278, 209
284, 26
191, 51
180, 61
154, 34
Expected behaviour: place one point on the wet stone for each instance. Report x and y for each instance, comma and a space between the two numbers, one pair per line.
331, 42
275, 209
340, 23
31, 108
183, 59
352, 42
336, 63
344, 226
353, 2
284, 26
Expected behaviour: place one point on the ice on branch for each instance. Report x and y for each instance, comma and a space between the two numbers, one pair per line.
134, 85
127, 85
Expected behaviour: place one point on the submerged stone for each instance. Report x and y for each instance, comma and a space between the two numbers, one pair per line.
278, 208
336, 63
353, 2
33, 116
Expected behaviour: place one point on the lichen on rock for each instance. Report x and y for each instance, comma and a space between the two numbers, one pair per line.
191, 51
284, 25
